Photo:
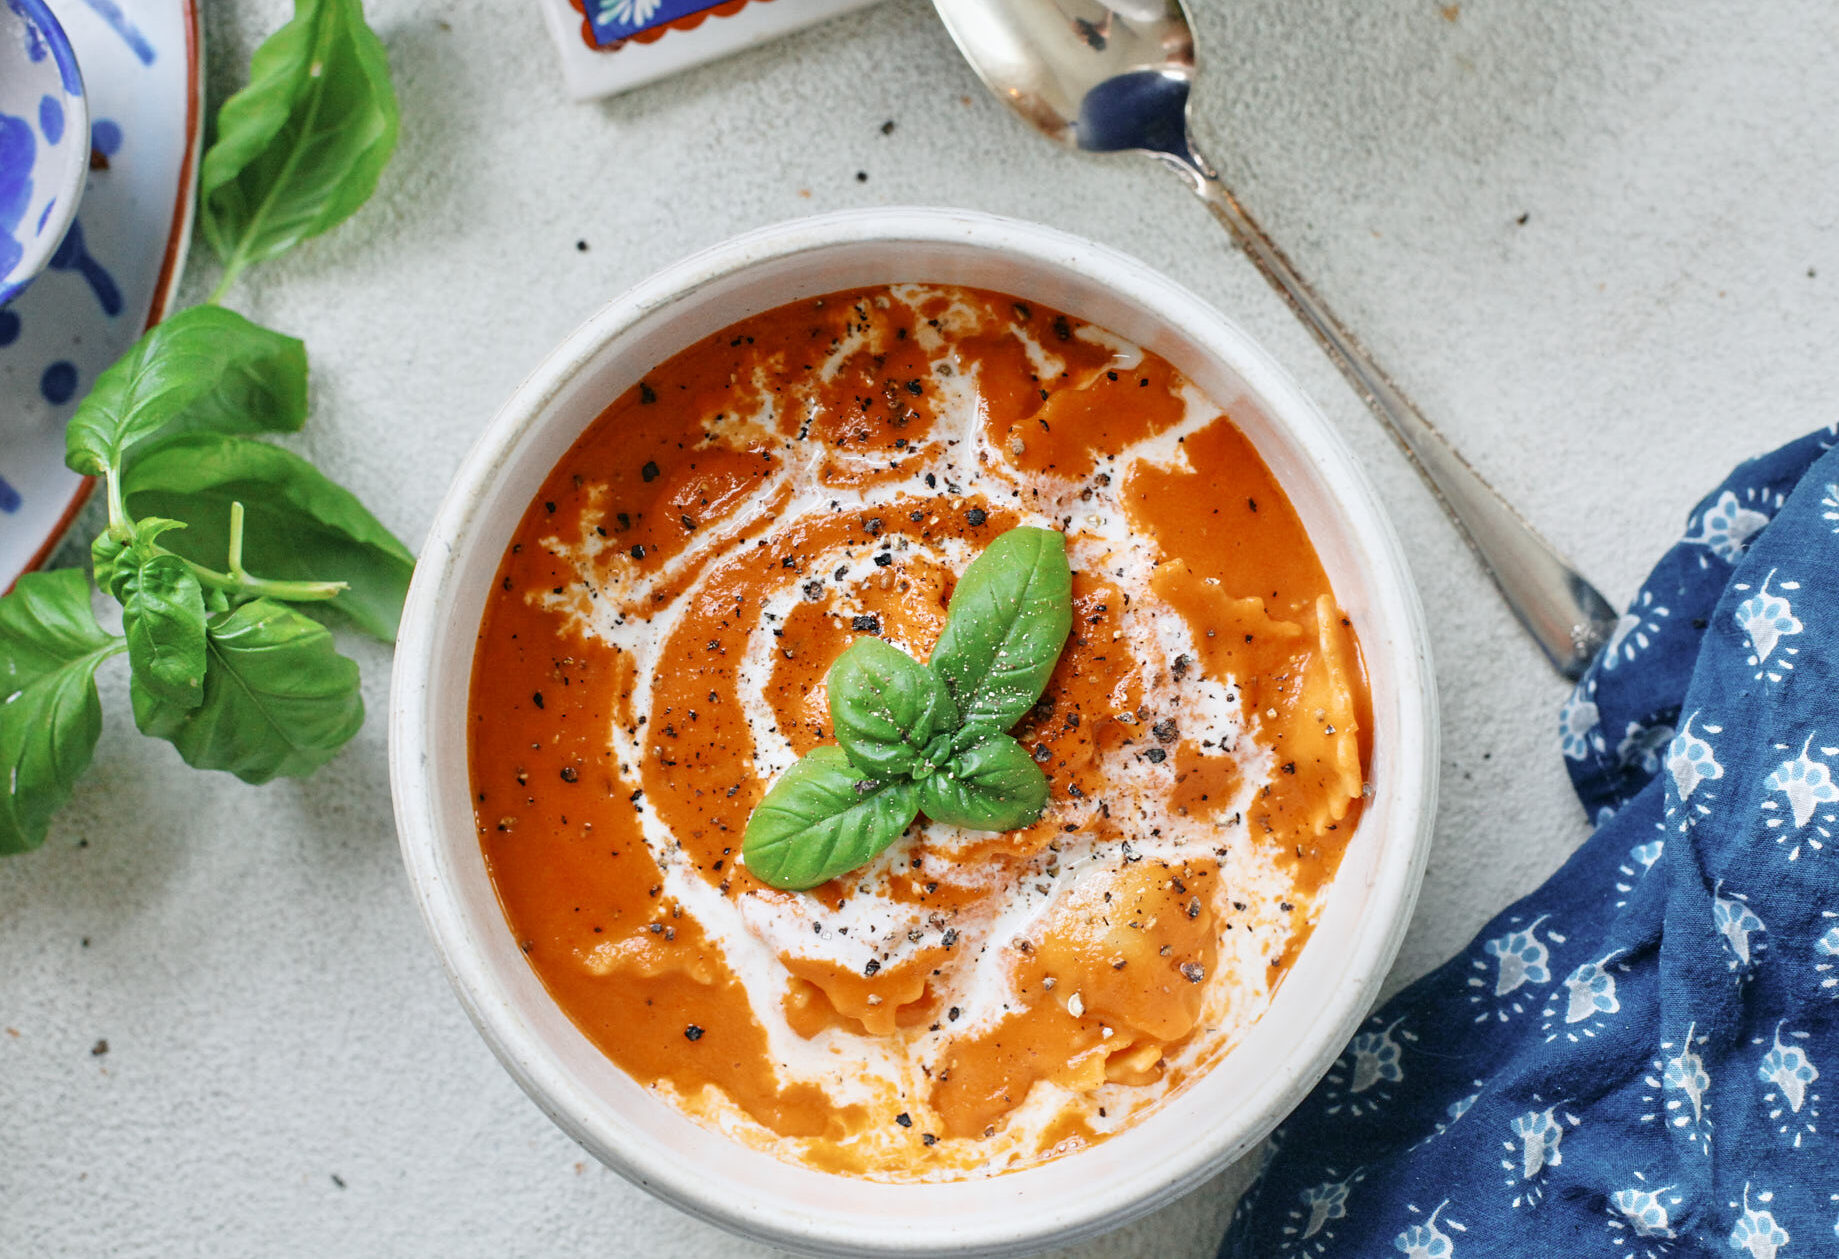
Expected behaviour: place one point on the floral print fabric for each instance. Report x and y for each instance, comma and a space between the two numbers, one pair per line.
1633, 1060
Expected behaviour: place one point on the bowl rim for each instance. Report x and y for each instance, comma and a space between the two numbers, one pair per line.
1390, 891
75, 172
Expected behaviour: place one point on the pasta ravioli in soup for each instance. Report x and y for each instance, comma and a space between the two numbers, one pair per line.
655, 654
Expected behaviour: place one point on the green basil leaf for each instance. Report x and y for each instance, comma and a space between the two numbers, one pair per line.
113, 558
50, 717
824, 817
107, 557
887, 709
162, 614
1007, 622
205, 367
993, 785
301, 146
297, 525
278, 700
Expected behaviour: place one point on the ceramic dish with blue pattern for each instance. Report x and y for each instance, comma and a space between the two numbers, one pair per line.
113, 272
44, 141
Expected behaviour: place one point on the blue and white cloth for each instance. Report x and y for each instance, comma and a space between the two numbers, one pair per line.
1635, 1059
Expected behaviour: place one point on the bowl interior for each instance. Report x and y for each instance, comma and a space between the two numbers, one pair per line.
1197, 1131
44, 141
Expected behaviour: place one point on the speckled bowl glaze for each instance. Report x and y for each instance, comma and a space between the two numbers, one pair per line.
1197, 1131
44, 141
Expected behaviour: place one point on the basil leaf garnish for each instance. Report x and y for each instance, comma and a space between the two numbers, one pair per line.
823, 818
300, 524
1007, 622
278, 700
50, 647
993, 785
162, 614
914, 738
206, 367
302, 145
888, 710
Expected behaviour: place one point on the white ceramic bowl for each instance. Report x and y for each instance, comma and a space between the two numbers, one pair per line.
1219, 1116
44, 141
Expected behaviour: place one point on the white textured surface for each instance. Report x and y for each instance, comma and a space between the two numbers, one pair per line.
273, 1014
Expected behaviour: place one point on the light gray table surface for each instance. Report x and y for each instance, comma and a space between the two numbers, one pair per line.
1598, 241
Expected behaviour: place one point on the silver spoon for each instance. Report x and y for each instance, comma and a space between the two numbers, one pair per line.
1114, 77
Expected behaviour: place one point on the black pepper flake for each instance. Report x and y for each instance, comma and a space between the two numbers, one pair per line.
649, 471
1156, 756
871, 967
862, 177
870, 624
536, 697
950, 937
887, 128
1165, 730
550, 508
1289, 767
1041, 754
916, 516
99, 1048
904, 1119
1193, 972
814, 590
638, 551
1062, 328
687, 522
915, 388
953, 1013
569, 775
928, 1138
647, 395
976, 516
883, 560
1194, 908
1178, 668
692, 1032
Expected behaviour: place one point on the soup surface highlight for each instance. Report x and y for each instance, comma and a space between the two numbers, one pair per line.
654, 653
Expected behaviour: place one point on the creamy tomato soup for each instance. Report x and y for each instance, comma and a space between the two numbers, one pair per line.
654, 654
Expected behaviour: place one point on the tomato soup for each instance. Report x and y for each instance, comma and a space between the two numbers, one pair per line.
654, 654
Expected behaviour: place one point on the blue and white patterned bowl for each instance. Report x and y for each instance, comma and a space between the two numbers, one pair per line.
44, 141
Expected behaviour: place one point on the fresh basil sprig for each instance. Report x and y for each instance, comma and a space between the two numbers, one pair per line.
915, 738
212, 538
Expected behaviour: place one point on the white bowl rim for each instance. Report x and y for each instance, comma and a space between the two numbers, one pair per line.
74, 173
1391, 894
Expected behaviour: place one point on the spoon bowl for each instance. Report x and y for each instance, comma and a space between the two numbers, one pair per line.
1115, 77
44, 141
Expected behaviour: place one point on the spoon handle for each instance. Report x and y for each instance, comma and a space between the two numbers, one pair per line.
1563, 612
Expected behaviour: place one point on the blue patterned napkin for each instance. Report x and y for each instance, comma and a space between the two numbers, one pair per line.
1633, 1060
